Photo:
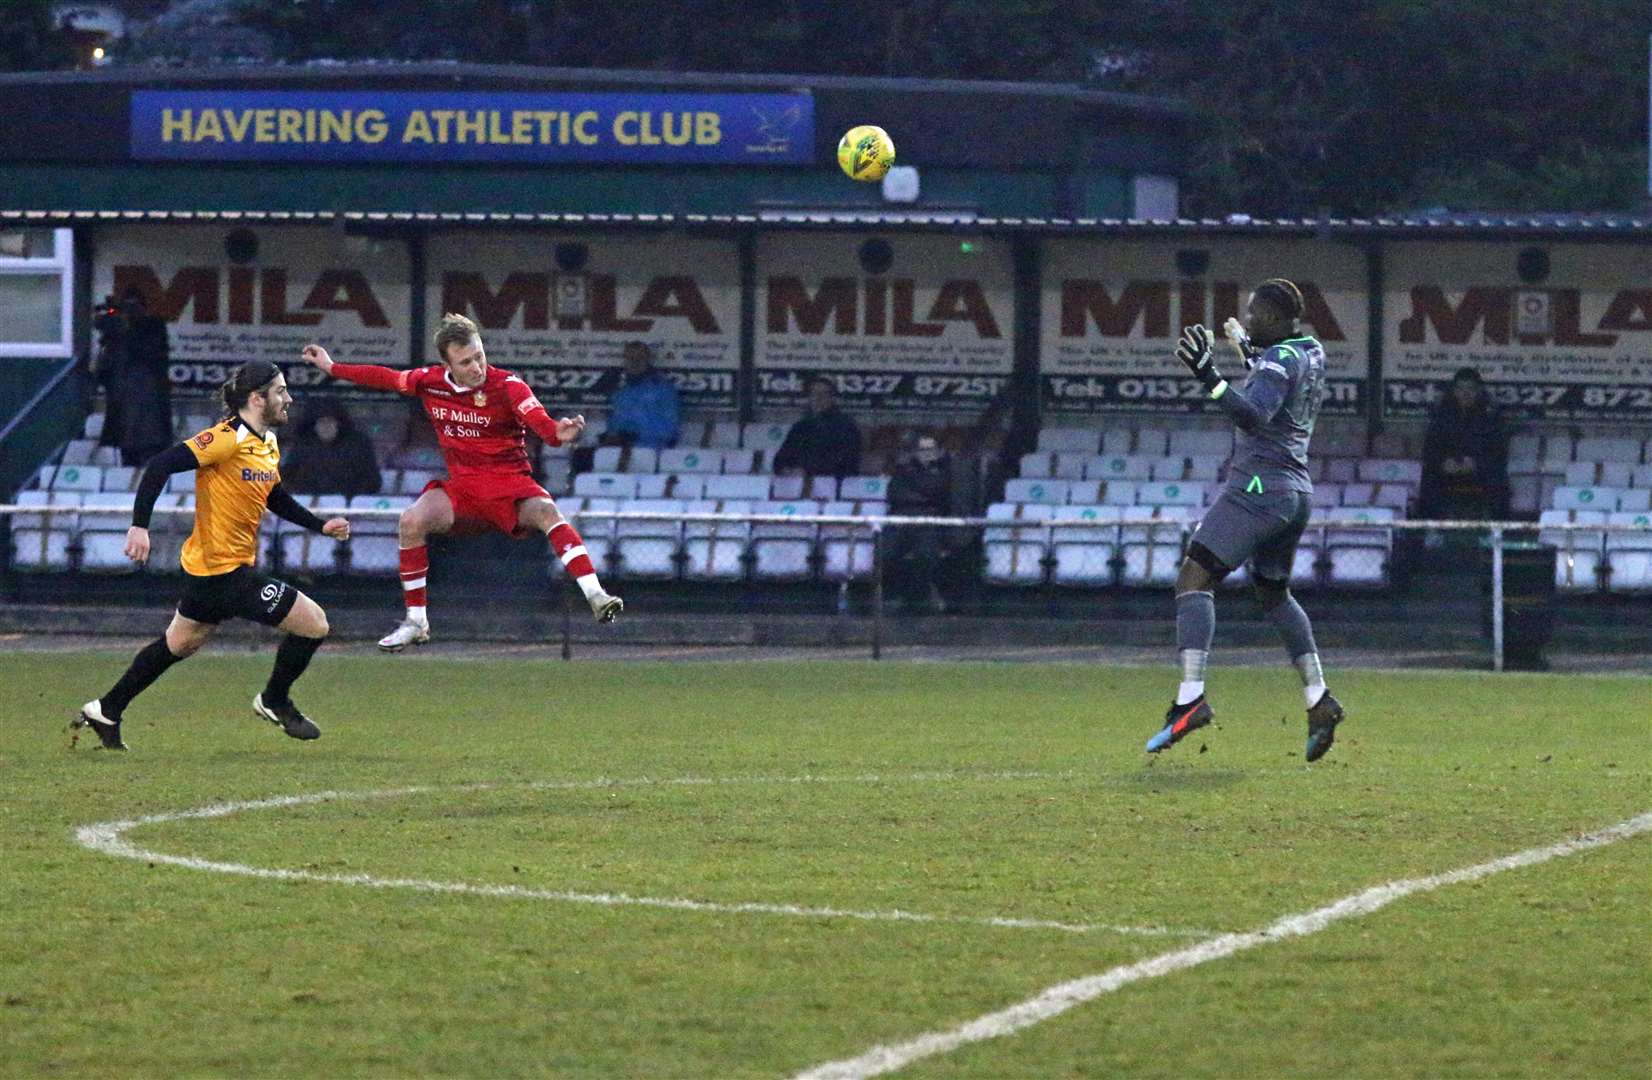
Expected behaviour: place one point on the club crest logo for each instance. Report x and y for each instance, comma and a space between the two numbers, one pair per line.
481, 399
204, 439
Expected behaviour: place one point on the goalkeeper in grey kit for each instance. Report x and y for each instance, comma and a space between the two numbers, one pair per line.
1263, 508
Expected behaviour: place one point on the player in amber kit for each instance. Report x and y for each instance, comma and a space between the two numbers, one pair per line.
237, 477
480, 414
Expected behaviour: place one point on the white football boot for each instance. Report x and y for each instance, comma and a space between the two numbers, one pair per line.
408, 633
605, 607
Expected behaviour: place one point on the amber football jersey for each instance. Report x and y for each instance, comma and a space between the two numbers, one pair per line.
237, 470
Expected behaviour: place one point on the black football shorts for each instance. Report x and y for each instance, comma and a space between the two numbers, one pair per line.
243, 593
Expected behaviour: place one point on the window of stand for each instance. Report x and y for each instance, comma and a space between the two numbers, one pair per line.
37, 272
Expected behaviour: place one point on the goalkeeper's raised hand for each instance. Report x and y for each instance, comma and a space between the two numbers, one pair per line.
1194, 353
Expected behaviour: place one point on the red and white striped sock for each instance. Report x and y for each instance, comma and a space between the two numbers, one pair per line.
415, 566
567, 545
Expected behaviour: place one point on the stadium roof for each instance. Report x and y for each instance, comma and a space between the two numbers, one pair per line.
425, 73
1551, 226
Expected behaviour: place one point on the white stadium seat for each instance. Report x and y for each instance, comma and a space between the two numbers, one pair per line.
1391, 471
786, 487
1069, 466
764, 437
1187, 443
1084, 555
1170, 469
1615, 474
104, 519
1584, 498
1119, 467
1084, 492
41, 541
846, 552
739, 462
750, 488
1080, 440
78, 452
715, 551
1179, 494
782, 552
1038, 466
90, 478
691, 461
606, 485
1635, 500
1015, 556
1119, 493
1117, 441
687, 486
692, 433
1152, 442
649, 548
1583, 473
822, 488
1036, 491
724, 434
1629, 554
1627, 450
863, 488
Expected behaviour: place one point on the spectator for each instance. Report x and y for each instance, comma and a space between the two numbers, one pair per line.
643, 411
108, 359
1465, 454
330, 456
915, 555
826, 442
142, 382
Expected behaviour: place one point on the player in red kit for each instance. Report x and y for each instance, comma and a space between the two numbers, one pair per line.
479, 413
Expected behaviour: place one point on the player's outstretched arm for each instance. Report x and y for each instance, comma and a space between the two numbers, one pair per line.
280, 503
370, 375
536, 419
176, 458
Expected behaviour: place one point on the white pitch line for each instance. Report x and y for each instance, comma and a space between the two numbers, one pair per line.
108, 838
1057, 999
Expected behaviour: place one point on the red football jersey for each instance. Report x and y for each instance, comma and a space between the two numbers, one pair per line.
481, 429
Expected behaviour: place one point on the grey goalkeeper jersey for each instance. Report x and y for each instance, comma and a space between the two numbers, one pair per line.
1275, 410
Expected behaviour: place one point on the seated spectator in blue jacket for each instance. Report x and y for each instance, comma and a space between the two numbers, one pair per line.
826, 442
643, 411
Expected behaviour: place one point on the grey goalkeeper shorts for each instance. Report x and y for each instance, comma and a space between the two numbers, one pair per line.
1263, 528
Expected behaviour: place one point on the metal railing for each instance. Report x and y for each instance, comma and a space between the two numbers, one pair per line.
873, 528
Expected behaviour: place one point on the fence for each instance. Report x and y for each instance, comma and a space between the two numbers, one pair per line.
1079, 552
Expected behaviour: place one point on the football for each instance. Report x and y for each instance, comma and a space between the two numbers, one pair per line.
865, 153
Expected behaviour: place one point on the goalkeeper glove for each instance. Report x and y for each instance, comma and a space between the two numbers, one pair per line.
1194, 353
1234, 331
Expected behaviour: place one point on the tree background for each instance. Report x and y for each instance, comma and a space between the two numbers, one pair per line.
1358, 107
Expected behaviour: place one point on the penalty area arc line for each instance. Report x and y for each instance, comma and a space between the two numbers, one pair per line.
109, 838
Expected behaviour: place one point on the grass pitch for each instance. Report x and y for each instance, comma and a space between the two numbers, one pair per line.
836, 794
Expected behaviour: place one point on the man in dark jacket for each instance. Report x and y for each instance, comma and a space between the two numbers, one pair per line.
826, 442
921, 486
330, 457
1465, 454
144, 383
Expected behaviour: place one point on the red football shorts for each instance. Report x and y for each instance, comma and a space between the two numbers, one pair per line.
484, 502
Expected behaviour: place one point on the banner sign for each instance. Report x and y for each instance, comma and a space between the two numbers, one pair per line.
290, 286
1573, 343
903, 323
564, 331
1112, 311
511, 128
